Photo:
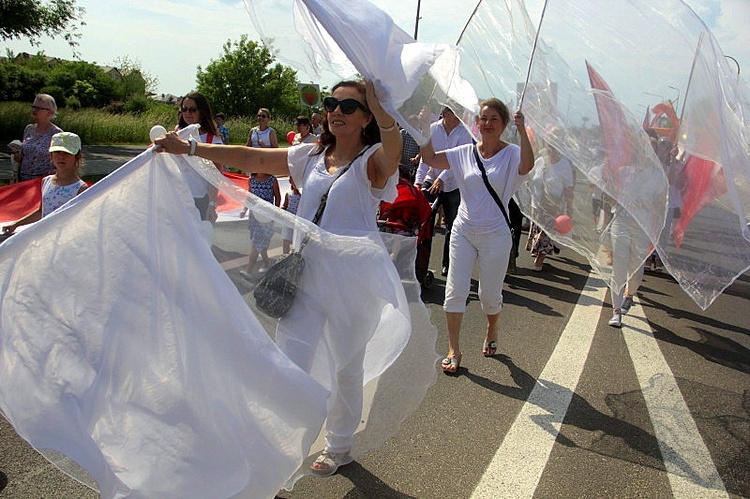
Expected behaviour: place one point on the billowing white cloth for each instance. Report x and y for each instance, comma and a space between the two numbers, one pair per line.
132, 347
117, 349
409, 76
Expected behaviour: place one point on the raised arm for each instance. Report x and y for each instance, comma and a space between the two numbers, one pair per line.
247, 159
434, 159
384, 162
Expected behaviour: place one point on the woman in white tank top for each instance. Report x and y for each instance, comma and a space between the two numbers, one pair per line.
262, 135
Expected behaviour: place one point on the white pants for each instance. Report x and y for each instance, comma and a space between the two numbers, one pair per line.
492, 252
300, 336
628, 243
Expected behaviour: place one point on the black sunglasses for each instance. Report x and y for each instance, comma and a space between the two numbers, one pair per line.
348, 106
261, 116
37, 108
188, 109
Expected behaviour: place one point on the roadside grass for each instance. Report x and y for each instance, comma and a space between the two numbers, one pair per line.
99, 127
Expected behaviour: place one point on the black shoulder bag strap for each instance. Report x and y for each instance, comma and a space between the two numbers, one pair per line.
489, 187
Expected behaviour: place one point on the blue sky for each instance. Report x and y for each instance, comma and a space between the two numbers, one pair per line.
171, 38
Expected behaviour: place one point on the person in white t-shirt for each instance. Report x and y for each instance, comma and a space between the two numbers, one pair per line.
481, 233
553, 183
316, 122
446, 133
304, 133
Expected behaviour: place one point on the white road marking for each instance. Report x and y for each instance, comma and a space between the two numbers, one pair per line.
535, 430
689, 465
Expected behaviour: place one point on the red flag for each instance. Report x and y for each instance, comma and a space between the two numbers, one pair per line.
704, 182
18, 200
618, 143
224, 202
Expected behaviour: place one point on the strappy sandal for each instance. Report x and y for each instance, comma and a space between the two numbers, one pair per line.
489, 348
451, 364
329, 462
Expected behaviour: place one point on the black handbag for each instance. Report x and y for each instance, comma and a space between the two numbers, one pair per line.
275, 292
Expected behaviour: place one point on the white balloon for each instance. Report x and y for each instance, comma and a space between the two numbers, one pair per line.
156, 132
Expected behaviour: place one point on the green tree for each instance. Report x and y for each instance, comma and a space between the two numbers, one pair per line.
87, 82
31, 19
245, 78
137, 82
20, 82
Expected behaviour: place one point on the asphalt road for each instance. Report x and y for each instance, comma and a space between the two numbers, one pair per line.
569, 408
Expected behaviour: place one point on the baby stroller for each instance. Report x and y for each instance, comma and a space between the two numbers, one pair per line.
410, 214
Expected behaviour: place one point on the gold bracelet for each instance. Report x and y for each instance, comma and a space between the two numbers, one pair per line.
388, 129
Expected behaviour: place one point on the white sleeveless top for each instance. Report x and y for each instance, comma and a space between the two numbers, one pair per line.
352, 201
257, 135
54, 196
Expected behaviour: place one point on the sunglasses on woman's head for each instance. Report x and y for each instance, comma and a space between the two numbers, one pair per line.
348, 106
188, 109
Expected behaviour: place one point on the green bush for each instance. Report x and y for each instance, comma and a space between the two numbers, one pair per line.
72, 103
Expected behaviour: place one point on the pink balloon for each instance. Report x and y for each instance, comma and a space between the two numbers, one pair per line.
563, 224
290, 137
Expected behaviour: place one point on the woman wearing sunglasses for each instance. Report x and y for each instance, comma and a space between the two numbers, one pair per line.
359, 149
34, 155
195, 109
263, 135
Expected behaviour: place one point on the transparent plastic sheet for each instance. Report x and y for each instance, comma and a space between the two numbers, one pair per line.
140, 344
564, 112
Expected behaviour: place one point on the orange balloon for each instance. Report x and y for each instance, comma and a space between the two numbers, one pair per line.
290, 137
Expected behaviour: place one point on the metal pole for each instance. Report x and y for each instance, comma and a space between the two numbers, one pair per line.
416, 23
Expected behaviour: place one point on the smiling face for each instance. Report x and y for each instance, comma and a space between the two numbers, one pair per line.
491, 124
341, 124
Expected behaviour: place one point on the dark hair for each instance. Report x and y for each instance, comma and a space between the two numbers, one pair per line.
303, 120
498, 106
204, 108
371, 133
